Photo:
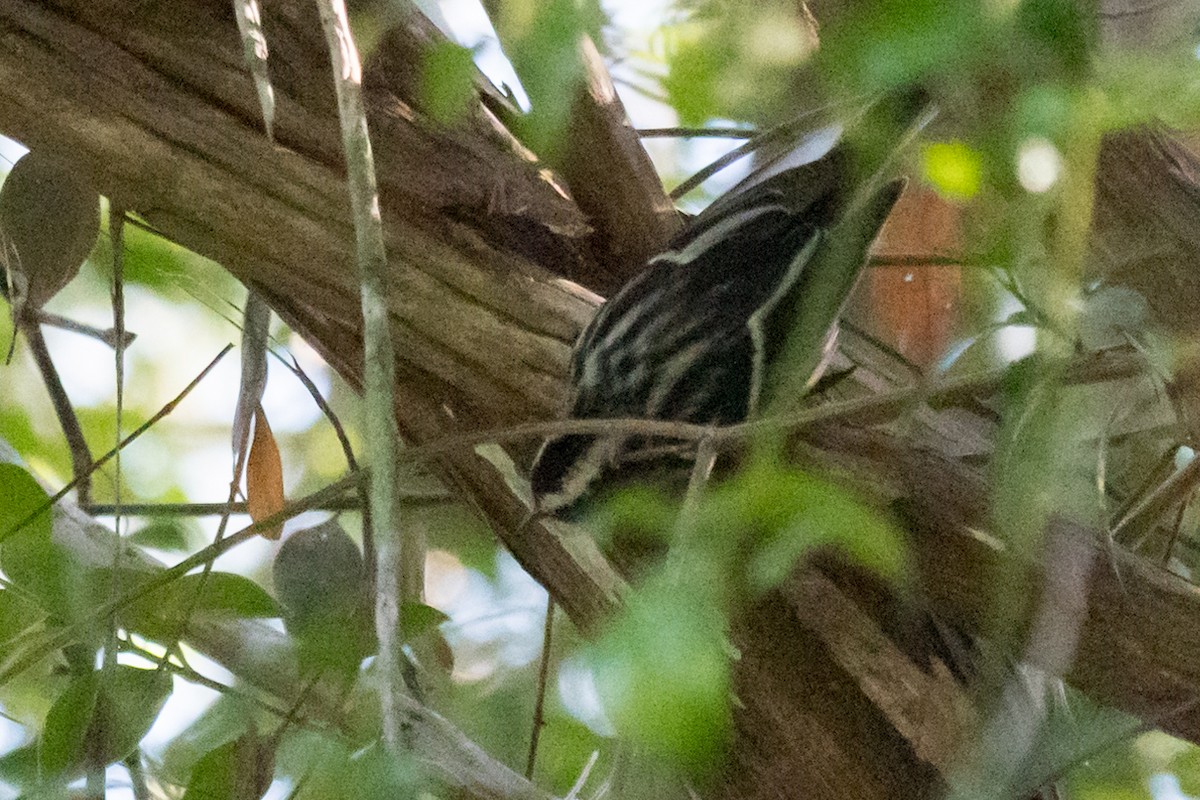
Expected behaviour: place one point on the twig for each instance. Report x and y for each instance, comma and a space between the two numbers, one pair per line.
81, 456
698, 133
137, 776
918, 261
539, 719
108, 337
217, 509
192, 676
104, 459
783, 131
395, 556
116, 225
871, 409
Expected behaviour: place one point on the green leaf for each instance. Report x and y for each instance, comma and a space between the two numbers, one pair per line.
19, 767
891, 43
224, 721
100, 717
20, 497
449, 82
418, 618
224, 594
376, 775
827, 515
29, 555
16, 616
66, 727
168, 536
953, 168
541, 39
239, 770
663, 671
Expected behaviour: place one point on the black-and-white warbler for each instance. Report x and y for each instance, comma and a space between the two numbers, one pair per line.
693, 337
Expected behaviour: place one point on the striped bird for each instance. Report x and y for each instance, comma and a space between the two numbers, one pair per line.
692, 337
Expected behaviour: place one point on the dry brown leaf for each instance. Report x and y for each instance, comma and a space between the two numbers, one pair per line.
264, 475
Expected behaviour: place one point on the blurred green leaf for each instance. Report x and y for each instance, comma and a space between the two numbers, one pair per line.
166, 535
65, 733
16, 615
221, 723
889, 43
953, 168
224, 593
663, 672
449, 82
376, 775
237, 770
129, 702
21, 496
100, 717
19, 767
541, 39
826, 515
418, 618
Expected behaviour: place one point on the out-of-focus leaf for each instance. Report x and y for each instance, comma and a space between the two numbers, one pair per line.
49, 221
449, 82
129, 702
30, 557
163, 535
16, 615
376, 775
1073, 732
319, 579
224, 594
264, 475
1112, 775
223, 722
542, 41
418, 618
1059, 31
953, 168
1111, 317
825, 515
100, 717
19, 767
66, 729
726, 64
20, 496
892, 43
238, 770
663, 671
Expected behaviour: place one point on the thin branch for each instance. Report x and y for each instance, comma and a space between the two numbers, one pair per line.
539, 719
116, 224
698, 133
217, 509
870, 409
382, 436
107, 336
81, 456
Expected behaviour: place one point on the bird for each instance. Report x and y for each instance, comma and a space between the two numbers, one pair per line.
693, 336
